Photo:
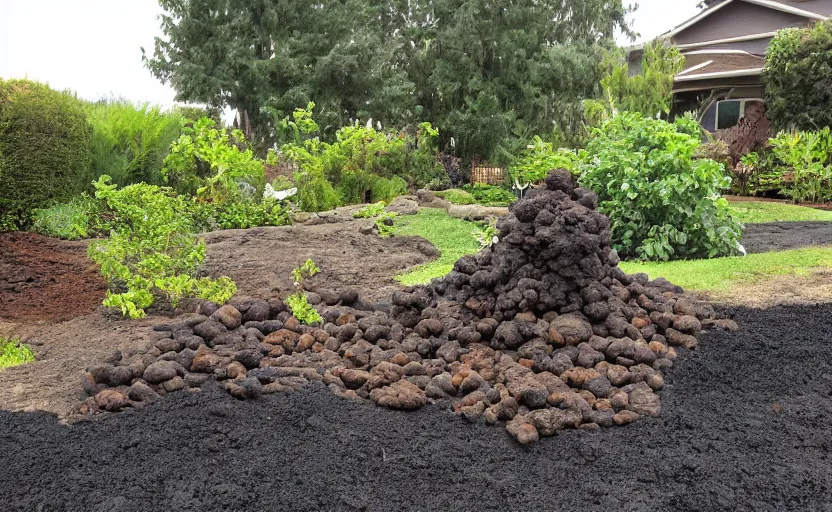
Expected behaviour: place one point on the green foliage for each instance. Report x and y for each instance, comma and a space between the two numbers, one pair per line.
385, 224
151, 250
649, 93
488, 74
457, 196
798, 77
538, 159
212, 164
297, 302
662, 203
69, 221
240, 214
362, 164
44, 149
130, 142
315, 192
14, 353
370, 211
490, 195
808, 156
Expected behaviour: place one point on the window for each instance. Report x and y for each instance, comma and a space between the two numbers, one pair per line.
729, 112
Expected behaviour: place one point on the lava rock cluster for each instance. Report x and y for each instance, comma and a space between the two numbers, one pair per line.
541, 331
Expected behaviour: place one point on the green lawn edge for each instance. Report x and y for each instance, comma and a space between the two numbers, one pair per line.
453, 237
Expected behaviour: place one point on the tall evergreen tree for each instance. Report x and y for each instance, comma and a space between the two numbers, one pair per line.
488, 73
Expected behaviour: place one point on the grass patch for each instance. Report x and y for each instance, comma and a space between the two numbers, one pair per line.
722, 273
454, 237
754, 212
13, 353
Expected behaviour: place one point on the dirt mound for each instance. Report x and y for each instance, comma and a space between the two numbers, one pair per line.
260, 260
43, 278
542, 331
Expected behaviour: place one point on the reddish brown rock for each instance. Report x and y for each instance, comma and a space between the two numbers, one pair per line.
625, 417
399, 395
111, 400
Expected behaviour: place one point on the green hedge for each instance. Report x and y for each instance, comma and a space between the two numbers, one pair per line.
44, 148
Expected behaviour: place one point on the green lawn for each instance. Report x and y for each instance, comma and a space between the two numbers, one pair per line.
722, 273
757, 211
454, 237
13, 353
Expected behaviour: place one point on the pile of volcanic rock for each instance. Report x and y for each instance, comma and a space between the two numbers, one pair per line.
542, 331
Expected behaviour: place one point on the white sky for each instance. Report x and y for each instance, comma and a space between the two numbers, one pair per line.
93, 46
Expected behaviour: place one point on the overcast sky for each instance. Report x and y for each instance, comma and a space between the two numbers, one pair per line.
93, 46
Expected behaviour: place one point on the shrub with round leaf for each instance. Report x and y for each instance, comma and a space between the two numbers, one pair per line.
662, 203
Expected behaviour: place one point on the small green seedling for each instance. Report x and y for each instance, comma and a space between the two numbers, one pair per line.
297, 302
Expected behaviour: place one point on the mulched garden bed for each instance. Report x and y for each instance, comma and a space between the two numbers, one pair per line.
43, 278
746, 425
783, 236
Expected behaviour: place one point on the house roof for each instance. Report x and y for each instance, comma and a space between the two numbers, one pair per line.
709, 64
771, 4
810, 9
818, 7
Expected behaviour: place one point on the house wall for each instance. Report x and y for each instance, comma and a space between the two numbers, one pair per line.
738, 19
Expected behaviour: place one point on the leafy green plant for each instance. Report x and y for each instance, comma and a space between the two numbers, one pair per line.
69, 221
131, 141
13, 353
241, 214
538, 159
370, 211
808, 156
297, 302
151, 251
44, 149
213, 165
487, 234
385, 224
662, 203
490, 195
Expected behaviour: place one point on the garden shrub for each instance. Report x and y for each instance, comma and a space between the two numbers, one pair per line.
457, 196
151, 251
490, 195
662, 203
798, 79
361, 165
69, 221
210, 163
241, 214
44, 148
538, 159
130, 142
808, 157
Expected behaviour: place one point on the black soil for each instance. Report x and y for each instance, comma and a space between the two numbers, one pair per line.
782, 236
746, 424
